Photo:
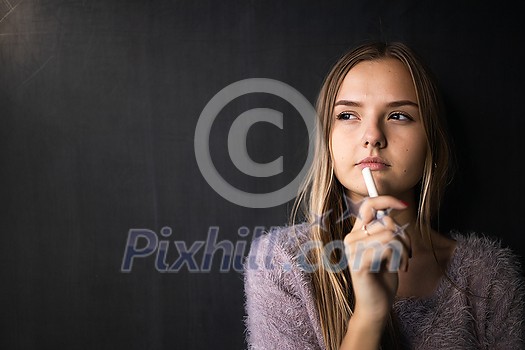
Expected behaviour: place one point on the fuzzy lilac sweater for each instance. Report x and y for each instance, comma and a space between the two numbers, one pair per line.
281, 311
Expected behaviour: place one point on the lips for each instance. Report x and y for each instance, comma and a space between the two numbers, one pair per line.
374, 163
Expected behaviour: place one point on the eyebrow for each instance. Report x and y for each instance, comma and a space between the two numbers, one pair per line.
390, 104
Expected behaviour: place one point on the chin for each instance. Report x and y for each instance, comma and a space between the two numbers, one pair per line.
355, 193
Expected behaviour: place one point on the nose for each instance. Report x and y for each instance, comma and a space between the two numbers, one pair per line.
373, 136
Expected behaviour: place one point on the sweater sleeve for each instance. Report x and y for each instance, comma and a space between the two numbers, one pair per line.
506, 305
277, 316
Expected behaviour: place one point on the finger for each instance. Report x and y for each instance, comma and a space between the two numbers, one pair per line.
370, 206
391, 232
378, 225
360, 232
381, 249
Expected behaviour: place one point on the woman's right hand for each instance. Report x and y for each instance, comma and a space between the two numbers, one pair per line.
376, 250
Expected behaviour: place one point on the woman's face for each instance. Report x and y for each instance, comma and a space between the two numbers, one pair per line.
377, 124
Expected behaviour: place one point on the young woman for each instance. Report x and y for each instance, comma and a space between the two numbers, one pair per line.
369, 273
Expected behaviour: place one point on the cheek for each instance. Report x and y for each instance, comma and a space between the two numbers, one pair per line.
340, 152
415, 155
337, 148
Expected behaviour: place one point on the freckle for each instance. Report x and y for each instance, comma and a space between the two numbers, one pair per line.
405, 171
407, 149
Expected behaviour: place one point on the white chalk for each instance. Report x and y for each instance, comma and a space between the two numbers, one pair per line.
369, 182
371, 187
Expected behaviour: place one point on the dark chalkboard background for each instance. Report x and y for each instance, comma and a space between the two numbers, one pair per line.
99, 104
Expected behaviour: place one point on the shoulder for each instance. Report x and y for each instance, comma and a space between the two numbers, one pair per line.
486, 263
272, 271
484, 250
276, 258
279, 244
280, 306
492, 274
289, 237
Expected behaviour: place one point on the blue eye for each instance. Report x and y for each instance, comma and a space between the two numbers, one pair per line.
400, 116
346, 116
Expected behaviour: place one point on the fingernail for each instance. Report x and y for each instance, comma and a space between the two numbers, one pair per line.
405, 203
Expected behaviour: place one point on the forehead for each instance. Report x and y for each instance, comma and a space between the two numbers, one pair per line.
387, 78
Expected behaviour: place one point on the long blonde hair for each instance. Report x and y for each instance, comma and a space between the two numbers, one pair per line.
322, 194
